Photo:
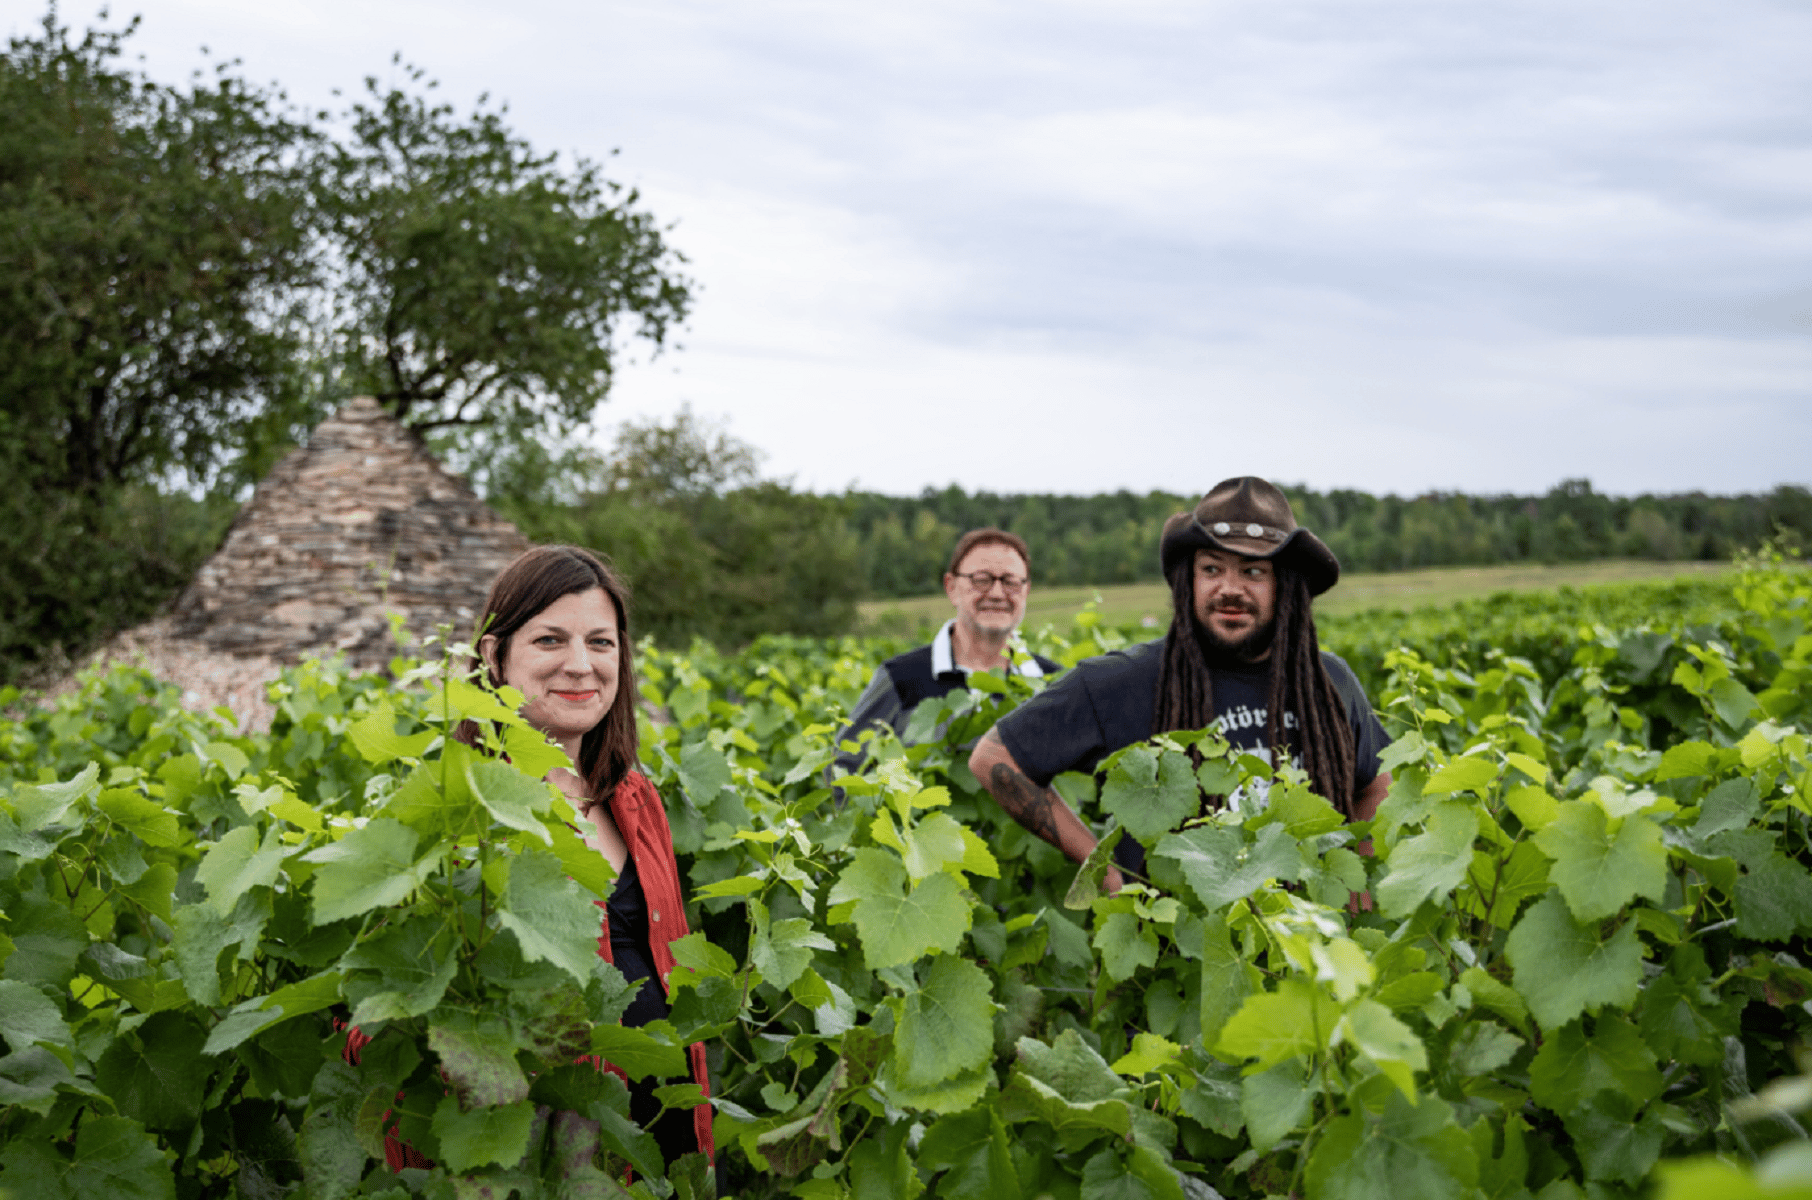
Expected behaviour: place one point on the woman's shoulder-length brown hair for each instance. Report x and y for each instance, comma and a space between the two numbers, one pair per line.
536, 579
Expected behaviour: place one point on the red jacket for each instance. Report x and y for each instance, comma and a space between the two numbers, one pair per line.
642, 820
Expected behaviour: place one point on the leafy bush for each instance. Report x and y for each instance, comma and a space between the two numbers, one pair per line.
1643, 619
1588, 903
188, 913
75, 568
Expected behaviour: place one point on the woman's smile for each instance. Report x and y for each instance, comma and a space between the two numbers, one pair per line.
574, 697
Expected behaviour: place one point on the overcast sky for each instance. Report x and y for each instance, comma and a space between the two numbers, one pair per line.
1392, 244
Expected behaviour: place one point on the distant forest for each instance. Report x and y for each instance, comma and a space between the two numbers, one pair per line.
1113, 538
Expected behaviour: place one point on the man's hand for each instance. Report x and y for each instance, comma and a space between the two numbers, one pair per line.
1365, 804
1365, 808
1039, 809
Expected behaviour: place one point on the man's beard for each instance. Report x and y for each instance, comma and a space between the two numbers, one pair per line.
1242, 651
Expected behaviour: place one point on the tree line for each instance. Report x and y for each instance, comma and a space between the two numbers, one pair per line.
1113, 538
715, 550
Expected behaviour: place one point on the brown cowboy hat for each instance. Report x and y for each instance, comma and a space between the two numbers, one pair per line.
1247, 516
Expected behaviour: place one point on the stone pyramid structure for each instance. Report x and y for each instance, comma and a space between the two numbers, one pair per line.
360, 523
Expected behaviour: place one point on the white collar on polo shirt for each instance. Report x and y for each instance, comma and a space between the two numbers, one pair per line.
943, 659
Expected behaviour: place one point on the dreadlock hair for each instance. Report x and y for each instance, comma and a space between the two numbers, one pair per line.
1299, 683
1185, 698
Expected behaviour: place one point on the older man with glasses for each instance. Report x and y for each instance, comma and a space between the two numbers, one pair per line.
988, 581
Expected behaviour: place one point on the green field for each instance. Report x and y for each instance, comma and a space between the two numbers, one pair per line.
1134, 603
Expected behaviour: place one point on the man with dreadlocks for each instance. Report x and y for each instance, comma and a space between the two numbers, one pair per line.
1241, 656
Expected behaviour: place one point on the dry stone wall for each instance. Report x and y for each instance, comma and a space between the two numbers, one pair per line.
360, 523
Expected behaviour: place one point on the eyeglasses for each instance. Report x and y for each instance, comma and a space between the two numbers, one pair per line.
984, 581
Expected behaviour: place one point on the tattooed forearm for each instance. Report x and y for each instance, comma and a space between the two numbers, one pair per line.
1030, 805
1039, 809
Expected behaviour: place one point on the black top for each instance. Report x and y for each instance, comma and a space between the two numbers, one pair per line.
628, 909
914, 683
1106, 703
901, 684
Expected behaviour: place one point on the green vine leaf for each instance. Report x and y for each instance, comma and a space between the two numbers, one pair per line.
238, 862
27, 1016
414, 962
1221, 866
514, 800
1150, 792
551, 917
161, 1082
1135, 1173
1408, 1152
1295, 1021
1563, 968
478, 1057
115, 1159
946, 1025
896, 926
373, 867
973, 1151
1433, 863
1573, 1066
1390, 1044
782, 951
1599, 869
479, 1137
378, 741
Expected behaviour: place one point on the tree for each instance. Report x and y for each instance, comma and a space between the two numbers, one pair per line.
709, 549
678, 461
153, 249
481, 285
154, 252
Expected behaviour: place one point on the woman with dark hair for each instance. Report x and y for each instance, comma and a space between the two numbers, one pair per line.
556, 628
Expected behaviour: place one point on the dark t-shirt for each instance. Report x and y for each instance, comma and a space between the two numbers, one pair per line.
1106, 703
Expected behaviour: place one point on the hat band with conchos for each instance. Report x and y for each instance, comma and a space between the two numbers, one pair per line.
1251, 529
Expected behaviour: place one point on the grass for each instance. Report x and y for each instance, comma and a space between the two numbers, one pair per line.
1149, 603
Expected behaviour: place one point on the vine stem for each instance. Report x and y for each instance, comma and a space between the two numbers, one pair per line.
862, 1133
457, 916
98, 905
749, 916
1497, 883
93, 854
484, 891
67, 890
1308, 1143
